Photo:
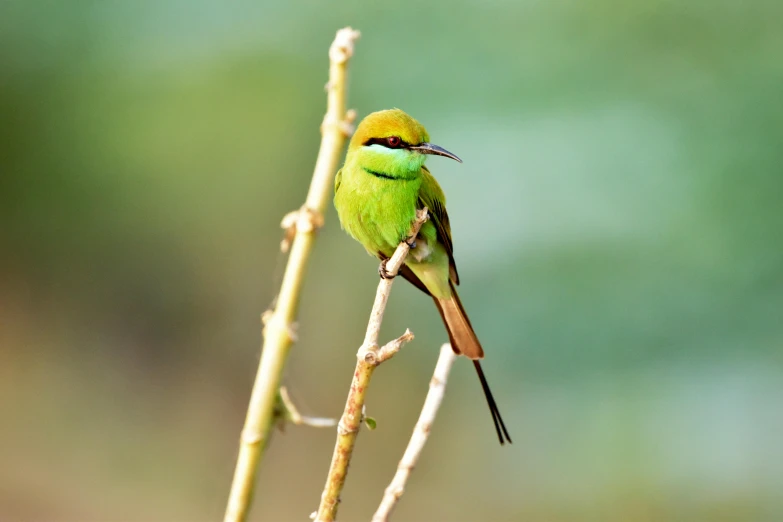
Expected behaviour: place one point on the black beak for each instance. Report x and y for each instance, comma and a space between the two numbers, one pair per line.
429, 148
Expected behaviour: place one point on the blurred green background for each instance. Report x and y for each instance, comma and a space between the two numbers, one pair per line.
617, 224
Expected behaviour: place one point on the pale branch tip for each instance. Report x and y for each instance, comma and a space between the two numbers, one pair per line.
388, 350
342, 46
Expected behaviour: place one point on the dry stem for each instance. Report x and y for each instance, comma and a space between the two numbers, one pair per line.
368, 358
293, 415
279, 330
420, 433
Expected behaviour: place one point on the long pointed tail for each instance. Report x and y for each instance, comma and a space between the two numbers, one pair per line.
500, 426
464, 341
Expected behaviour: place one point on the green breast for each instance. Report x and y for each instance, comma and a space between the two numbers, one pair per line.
376, 211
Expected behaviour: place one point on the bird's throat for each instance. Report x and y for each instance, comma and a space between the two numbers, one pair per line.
391, 164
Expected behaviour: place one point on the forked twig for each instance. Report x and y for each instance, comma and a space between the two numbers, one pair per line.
368, 357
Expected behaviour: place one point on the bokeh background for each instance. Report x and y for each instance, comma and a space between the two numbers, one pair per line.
617, 223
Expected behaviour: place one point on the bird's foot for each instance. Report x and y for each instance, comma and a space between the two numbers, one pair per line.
385, 274
410, 241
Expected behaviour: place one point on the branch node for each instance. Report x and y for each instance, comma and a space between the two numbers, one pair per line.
368, 354
390, 349
303, 220
371, 357
346, 126
274, 322
343, 126
343, 430
250, 437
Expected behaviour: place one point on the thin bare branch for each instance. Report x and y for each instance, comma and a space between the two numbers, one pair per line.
420, 434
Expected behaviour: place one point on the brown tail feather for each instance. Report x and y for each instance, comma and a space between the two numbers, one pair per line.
464, 341
463, 338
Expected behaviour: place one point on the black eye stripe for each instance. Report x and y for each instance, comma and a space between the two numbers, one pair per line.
382, 141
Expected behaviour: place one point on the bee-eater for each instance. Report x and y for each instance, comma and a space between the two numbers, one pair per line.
377, 192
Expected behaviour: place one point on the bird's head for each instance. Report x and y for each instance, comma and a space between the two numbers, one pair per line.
393, 143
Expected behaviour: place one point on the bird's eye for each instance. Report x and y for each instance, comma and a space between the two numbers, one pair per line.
393, 141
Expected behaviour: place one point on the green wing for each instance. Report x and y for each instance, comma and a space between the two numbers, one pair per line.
432, 197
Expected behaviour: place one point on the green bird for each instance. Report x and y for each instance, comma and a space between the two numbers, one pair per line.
377, 192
